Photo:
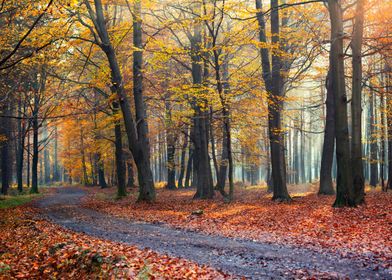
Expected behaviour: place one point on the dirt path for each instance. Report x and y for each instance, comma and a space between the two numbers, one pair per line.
246, 258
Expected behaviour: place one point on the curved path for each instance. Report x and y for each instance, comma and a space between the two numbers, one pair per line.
239, 257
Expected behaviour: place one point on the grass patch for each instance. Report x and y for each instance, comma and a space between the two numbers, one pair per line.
8, 201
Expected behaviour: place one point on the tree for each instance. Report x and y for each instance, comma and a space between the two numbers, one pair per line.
344, 180
274, 86
356, 106
136, 129
326, 184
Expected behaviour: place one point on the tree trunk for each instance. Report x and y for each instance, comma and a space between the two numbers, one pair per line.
326, 184
356, 106
56, 169
120, 164
85, 180
383, 133
296, 157
344, 183
5, 153
171, 168
28, 160
46, 155
170, 149
189, 166
213, 149
182, 164
101, 175
137, 130
275, 107
388, 87
274, 86
201, 162
373, 143
131, 179
20, 148
34, 165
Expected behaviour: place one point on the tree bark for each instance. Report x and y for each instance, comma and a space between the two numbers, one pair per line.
46, 155
373, 143
170, 149
137, 130
344, 182
131, 179
201, 162
326, 183
20, 148
388, 87
101, 174
85, 180
356, 106
5, 153
274, 86
56, 169
182, 164
34, 164
120, 164
189, 166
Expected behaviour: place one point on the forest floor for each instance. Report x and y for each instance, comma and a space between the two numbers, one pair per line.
33, 247
361, 234
75, 232
91, 233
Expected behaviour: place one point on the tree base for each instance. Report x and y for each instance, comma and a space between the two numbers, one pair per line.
326, 192
341, 203
170, 187
283, 199
145, 199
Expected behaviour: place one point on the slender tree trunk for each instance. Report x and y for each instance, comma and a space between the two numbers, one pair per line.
56, 169
5, 153
182, 164
41, 171
388, 87
20, 148
302, 148
85, 180
28, 160
356, 106
5, 184
171, 168
226, 141
170, 149
213, 149
101, 174
326, 184
383, 133
120, 164
189, 166
296, 157
373, 144
34, 167
46, 155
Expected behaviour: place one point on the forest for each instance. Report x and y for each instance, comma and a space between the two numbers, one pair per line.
196, 139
